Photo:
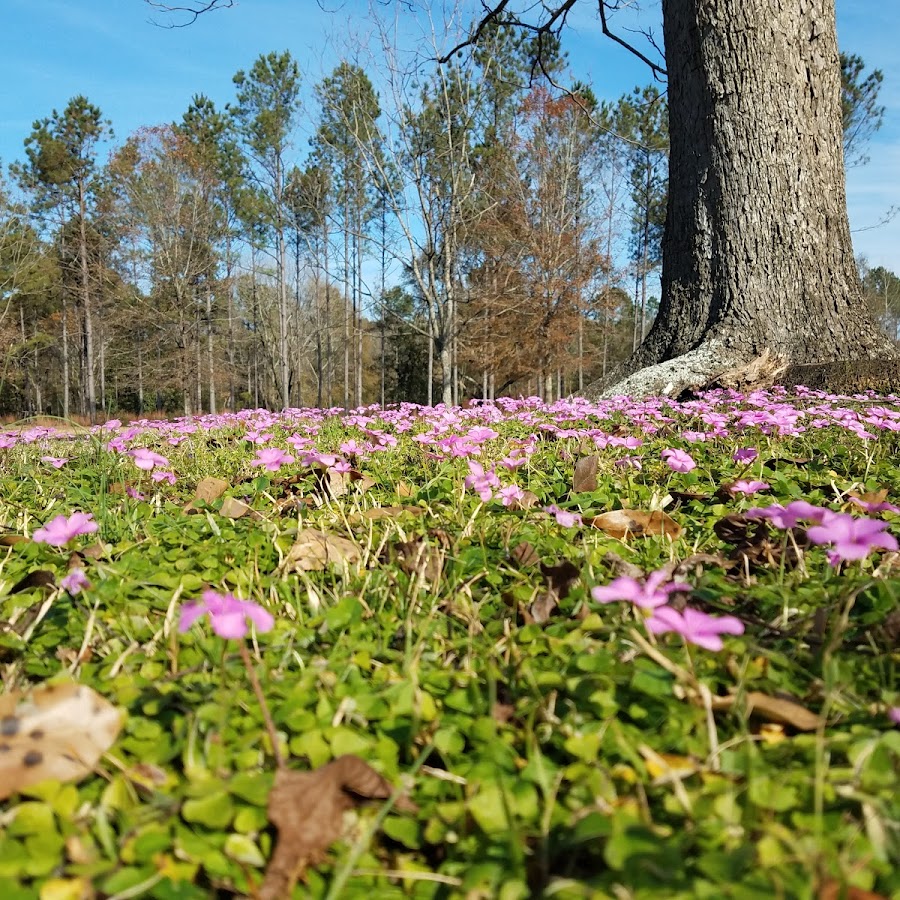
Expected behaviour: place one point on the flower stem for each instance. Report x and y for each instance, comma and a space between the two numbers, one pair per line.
267, 716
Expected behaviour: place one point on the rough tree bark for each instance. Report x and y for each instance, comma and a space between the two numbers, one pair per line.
757, 254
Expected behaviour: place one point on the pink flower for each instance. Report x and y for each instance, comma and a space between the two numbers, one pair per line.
272, 458
342, 466
56, 461
894, 714
649, 595
480, 481
481, 433
227, 614
133, 493
75, 581
678, 460
256, 437
163, 476
298, 442
745, 454
694, 626
850, 537
748, 487
60, 530
788, 516
146, 459
870, 507
510, 494
563, 516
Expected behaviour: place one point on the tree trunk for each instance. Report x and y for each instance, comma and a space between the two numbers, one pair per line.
90, 385
210, 355
757, 253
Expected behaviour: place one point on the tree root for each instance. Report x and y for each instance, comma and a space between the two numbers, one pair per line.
714, 365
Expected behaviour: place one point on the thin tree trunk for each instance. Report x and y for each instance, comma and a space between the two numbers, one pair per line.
90, 385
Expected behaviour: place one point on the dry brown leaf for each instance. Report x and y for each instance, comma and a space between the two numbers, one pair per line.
362, 481
391, 512
40, 578
404, 490
502, 712
622, 523
54, 731
772, 709
307, 808
10, 540
524, 554
834, 890
232, 508
542, 608
314, 550
418, 557
561, 577
526, 501
585, 478
207, 490
621, 567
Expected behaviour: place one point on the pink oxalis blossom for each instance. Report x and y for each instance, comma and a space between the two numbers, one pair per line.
56, 461
227, 614
694, 626
481, 481
648, 594
748, 487
851, 538
60, 530
563, 516
75, 581
272, 458
146, 459
678, 460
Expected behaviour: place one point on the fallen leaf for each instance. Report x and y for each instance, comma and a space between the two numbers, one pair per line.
526, 501
56, 731
315, 550
561, 577
585, 478
307, 808
664, 768
39, 578
684, 496
362, 481
772, 709
502, 712
232, 508
10, 540
524, 554
621, 567
834, 890
542, 608
404, 490
391, 512
418, 557
622, 523
207, 490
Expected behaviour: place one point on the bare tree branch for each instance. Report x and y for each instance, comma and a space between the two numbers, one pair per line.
552, 25
658, 71
193, 10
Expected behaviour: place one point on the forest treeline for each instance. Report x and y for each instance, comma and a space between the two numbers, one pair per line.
468, 231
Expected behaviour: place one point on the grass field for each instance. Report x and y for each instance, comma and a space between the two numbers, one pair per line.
615, 650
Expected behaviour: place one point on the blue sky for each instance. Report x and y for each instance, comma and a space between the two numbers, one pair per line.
139, 74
